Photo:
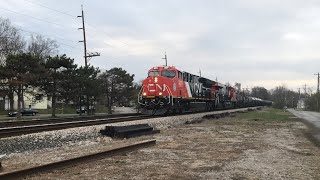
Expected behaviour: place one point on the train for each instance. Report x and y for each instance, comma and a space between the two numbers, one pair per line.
170, 90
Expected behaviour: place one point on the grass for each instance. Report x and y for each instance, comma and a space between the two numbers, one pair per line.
266, 114
66, 110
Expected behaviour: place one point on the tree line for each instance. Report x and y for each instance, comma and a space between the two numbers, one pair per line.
282, 97
34, 65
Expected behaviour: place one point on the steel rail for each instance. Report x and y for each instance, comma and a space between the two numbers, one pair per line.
14, 123
20, 130
73, 161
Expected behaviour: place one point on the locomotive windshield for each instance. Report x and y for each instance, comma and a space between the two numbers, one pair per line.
154, 73
168, 73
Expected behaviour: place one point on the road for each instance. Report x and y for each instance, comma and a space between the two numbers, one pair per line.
312, 118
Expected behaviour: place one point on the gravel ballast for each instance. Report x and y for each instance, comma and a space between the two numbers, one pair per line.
73, 136
188, 147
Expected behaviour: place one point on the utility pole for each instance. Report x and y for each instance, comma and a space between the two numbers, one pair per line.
318, 81
199, 72
87, 56
84, 36
165, 58
305, 89
293, 102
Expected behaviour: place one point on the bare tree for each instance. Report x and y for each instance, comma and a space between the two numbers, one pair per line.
11, 41
310, 91
42, 47
238, 86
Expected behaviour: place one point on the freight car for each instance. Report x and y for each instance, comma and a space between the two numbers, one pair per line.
167, 89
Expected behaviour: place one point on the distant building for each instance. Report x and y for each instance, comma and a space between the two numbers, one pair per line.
36, 100
301, 104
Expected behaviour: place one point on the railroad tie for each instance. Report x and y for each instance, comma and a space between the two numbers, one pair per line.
128, 131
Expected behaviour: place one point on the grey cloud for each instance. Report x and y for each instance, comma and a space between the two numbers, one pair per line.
236, 40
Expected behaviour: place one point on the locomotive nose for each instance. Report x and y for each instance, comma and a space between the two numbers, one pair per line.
154, 86
152, 89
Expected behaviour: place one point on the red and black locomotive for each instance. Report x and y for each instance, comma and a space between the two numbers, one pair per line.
167, 89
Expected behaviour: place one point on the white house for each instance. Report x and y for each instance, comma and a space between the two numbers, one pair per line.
36, 101
301, 104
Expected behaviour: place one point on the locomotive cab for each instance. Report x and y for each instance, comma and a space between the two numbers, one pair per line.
158, 89
160, 82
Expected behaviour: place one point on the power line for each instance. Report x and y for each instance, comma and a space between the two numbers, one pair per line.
32, 32
106, 34
36, 18
43, 35
70, 15
55, 37
67, 14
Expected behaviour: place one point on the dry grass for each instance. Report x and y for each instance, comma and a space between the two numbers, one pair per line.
257, 145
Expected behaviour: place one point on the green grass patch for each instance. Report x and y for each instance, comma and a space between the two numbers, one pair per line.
266, 114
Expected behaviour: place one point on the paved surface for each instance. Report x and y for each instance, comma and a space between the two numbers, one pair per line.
312, 118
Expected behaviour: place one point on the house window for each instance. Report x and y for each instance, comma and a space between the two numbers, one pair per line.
39, 97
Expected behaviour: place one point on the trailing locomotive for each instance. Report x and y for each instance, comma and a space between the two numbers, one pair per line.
167, 89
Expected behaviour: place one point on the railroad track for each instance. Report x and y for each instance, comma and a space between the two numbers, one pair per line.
28, 129
82, 159
20, 130
59, 120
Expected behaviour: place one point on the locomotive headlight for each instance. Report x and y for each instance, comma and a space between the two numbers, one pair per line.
144, 94
160, 93
156, 79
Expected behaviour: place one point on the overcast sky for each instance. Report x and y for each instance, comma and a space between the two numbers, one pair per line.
254, 42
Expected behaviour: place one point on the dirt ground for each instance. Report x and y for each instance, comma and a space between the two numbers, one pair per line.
227, 148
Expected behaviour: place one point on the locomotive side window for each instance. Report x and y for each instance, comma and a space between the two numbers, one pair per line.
185, 76
180, 75
168, 73
154, 73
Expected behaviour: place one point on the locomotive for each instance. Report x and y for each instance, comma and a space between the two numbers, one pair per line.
167, 89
